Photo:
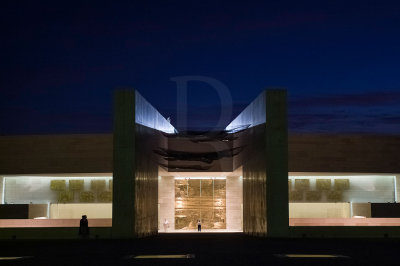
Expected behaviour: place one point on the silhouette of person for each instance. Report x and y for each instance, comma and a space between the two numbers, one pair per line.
84, 227
198, 226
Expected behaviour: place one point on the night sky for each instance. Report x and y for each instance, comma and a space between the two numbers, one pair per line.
61, 61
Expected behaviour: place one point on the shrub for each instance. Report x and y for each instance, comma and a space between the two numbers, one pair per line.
86, 196
323, 184
76, 184
98, 185
302, 184
295, 195
57, 185
105, 196
335, 196
342, 184
313, 195
65, 196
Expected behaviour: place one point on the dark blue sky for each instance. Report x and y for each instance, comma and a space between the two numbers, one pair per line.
61, 61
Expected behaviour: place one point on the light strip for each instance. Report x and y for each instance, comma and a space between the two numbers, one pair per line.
3, 198
182, 178
186, 256
48, 210
310, 256
351, 209
14, 258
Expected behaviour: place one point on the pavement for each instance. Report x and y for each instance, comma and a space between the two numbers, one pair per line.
201, 249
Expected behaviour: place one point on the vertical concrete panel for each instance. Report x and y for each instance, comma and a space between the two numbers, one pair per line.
148, 116
123, 211
1, 190
397, 188
254, 181
166, 200
234, 202
146, 181
135, 169
277, 163
265, 164
253, 160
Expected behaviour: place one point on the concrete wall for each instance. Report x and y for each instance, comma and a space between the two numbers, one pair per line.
344, 153
253, 160
124, 165
38, 210
135, 165
265, 167
254, 181
91, 153
146, 180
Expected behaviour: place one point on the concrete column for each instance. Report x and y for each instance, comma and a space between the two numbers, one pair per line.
397, 188
166, 201
123, 210
277, 163
234, 200
1, 189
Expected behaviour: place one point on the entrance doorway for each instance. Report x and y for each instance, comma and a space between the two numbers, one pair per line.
214, 200
200, 199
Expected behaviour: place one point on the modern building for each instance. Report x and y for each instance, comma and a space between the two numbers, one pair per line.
252, 177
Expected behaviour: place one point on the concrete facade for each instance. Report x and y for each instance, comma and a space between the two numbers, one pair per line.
269, 155
124, 166
92, 153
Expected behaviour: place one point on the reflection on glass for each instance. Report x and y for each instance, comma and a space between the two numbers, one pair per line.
200, 199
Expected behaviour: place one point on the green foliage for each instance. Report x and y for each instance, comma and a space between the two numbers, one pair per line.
98, 185
86, 196
76, 185
335, 196
105, 196
295, 195
313, 195
302, 184
57, 185
323, 184
342, 184
65, 196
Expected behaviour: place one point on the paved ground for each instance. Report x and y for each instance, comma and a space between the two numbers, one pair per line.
204, 249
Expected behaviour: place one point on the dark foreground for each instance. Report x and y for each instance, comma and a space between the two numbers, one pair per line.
202, 249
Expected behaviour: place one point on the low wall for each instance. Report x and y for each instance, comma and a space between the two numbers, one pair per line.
319, 210
28, 223
76, 210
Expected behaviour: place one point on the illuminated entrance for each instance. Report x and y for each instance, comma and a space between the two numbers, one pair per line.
201, 199
214, 198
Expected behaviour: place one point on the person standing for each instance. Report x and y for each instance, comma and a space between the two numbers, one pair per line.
198, 226
84, 227
166, 225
